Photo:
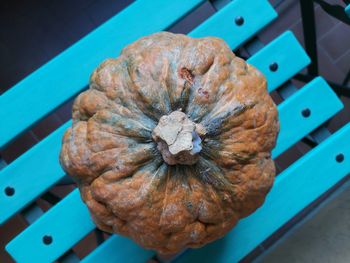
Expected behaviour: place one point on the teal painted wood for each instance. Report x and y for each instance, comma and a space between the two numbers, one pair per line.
29, 246
287, 53
347, 10
31, 174
128, 252
24, 171
222, 24
67, 225
68, 73
316, 96
294, 189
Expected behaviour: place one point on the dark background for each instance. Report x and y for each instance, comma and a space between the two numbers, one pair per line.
33, 32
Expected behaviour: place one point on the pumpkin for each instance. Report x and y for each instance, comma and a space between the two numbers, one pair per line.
171, 144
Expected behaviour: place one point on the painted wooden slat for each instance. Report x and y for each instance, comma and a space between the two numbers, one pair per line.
287, 53
68, 73
128, 252
30, 246
31, 174
316, 96
347, 10
294, 189
76, 232
222, 24
24, 170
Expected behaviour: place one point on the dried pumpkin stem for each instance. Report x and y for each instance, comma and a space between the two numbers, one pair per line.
178, 139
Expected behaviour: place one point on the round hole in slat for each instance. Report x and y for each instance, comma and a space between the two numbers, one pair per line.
273, 67
47, 239
306, 113
9, 191
239, 20
339, 158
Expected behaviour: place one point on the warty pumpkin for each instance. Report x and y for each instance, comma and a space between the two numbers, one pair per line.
171, 144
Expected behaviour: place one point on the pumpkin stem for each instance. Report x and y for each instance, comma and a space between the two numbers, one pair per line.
178, 139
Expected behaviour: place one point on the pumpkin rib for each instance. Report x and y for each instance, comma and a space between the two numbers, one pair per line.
187, 83
230, 111
165, 194
136, 139
102, 192
204, 92
255, 181
208, 67
211, 174
186, 91
108, 140
227, 66
101, 212
163, 83
108, 159
144, 98
74, 154
164, 80
122, 126
98, 109
245, 152
123, 88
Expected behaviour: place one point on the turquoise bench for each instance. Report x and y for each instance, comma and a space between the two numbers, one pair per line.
69, 221
347, 10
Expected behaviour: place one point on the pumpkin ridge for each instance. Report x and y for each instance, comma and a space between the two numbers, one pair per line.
139, 171
149, 109
130, 90
126, 105
214, 154
167, 72
192, 111
165, 193
210, 173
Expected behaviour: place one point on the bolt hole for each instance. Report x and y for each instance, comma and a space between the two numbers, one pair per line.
9, 191
339, 158
273, 67
306, 113
47, 240
239, 20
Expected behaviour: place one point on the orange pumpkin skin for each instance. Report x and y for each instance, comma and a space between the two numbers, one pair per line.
126, 174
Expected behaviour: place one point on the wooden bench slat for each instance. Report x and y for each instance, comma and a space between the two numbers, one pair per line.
22, 172
75, 232
68, 73
287, 53
66, 214
31, 174
128, 252
222, 24
294, 189
309, 97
